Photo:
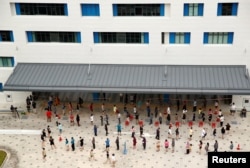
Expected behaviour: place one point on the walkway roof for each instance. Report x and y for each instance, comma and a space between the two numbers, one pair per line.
191, 79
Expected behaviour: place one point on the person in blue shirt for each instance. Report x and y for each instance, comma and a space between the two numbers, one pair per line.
107, 142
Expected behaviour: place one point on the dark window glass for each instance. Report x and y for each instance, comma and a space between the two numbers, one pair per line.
5, 35
227, 9
138, 9
41, 9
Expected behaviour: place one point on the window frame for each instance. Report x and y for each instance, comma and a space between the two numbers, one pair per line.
53, 37
6, 61
6, 36
121, 37
41, 9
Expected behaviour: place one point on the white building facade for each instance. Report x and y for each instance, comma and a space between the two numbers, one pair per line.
177, 32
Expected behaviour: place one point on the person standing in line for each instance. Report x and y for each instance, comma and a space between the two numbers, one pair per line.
134, 109
228, 126
214, 133
160, 118
91, 119
151, 118
187, 147
95, 130
158, 146
106, 129
203, 134
141, 130
77, 108
177, 133
81, 141
216, 145
190, 133
166, 144
71, 118
194, 116
113, 160
119, 117
148, 111
63, 109
78, 119
157, 133
233, 109
194, 105
207, 147
52, 142
134, 142
103, 107
60, 128
93, 142
91, 107
133, 131
48, 130
44, 154
43, 139
231, 145
144, 141
70, 107
101, 118
184, 118
117, 143
114, 109
156, 111
136, 117
173, 144
200, 146
107, 143
216, 104
91, 155
107, 155
67, 144
223, 131
44, 133
210, 115
107, 119
222, 120
119, 129
169, 132
72, 144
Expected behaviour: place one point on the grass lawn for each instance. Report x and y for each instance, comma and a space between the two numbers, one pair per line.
2, 157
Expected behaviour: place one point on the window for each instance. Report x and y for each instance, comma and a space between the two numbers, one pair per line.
218, 38
121, 37
6, 61
176, 37
227, 9
61, 37
41, 9
6, 36
90, 10
193, 9
138, 9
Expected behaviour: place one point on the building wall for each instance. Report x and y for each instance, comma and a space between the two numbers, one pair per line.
241, 101
195, 53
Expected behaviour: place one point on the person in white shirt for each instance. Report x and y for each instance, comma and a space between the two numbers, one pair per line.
168, 110
203, 133
92, 119
113, 160
233, 109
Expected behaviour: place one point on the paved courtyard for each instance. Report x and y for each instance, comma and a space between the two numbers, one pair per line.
26, 152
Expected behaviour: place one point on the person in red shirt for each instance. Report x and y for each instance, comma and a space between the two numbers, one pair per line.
48, 114
71, 117
91, 107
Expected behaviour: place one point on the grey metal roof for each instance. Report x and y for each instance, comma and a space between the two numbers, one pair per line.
219, 79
